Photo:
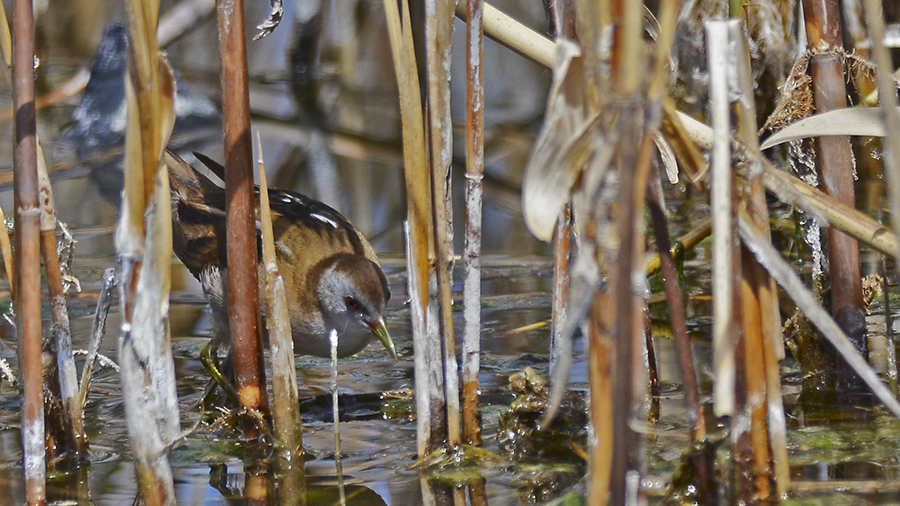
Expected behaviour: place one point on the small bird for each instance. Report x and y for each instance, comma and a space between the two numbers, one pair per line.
332, 277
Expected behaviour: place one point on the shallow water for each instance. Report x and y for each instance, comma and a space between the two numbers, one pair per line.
378, 435
852, 462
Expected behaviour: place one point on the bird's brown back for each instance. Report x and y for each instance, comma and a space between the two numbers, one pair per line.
306, 231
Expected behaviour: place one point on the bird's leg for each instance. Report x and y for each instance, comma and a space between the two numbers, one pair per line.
218, 379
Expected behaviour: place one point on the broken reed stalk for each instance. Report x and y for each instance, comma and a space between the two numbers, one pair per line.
438, 46
288, 444
562, 242
75, 444
888, 99
471, 351
243, 300
724, 241
754, 407
748, 426
426, 364
795, 192
28, 299
834, 160
98, 329
144, 248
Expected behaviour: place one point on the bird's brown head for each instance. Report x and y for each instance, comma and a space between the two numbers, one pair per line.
352, 294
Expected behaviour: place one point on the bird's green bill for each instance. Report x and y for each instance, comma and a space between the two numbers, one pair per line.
380, 330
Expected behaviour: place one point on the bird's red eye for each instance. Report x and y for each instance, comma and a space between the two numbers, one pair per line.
352, 303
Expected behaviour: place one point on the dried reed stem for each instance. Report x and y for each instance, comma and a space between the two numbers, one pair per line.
418, 232
72, 417
561, 17
438, 45
633, 164
28, 299
67, 376
285, 410
562, 238
601, 399
243, 300
144, 246
98, 329
723, 224
764, 345
474, 188
785, 276
834, 160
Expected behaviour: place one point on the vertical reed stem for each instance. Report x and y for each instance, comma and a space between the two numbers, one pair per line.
560, 295
601, 401
76, 441
28, 299
723, 225
764, 392
675, 301
834, 159
243, 300
288, 457
438, 41
472, 257
632, 162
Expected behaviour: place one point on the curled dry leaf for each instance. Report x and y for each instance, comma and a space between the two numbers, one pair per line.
559, 152
864, 121
667, 155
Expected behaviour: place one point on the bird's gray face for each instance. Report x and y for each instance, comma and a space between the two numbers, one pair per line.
343, 304
352, 294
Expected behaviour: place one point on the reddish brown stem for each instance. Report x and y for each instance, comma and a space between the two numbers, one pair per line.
675, 301
243, 304
835, 161
561, 259
28, 251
